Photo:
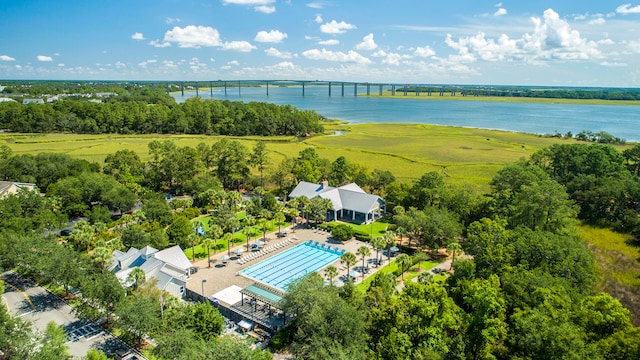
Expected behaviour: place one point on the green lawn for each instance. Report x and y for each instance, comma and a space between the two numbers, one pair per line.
239, 237
387, 269
377, 228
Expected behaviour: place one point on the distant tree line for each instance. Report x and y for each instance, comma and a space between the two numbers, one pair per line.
520, 91
146, 111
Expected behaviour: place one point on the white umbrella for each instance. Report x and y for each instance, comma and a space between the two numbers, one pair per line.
238, 251
354, 273
225, 257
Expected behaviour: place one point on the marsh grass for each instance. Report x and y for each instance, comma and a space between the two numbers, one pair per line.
407, 150
618, 265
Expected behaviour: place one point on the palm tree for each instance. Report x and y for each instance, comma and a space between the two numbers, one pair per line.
331, 273
348, 259
363, 251
378, 243
193, 239
303, 202
215, 231
279, 218
455, 249
403, 259
389, 239
228, 237
136, 277
207, 243
263, 221
102, 255
293, 210
249, 221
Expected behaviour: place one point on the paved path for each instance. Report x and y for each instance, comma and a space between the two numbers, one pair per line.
35, 304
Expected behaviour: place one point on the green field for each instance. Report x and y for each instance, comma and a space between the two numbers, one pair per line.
464, 155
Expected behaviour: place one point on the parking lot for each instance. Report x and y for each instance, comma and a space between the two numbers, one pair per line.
33, 303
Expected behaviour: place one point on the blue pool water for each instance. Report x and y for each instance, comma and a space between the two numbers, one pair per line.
280, 270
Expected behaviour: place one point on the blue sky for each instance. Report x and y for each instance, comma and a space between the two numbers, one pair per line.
562, 42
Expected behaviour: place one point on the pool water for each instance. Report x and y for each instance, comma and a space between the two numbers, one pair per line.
282, 269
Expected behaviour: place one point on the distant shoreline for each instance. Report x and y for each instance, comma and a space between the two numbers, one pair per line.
435, 96
511, 99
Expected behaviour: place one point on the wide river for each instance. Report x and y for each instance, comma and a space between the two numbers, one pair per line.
620, 121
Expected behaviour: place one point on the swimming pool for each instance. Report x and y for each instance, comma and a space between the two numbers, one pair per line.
280, 270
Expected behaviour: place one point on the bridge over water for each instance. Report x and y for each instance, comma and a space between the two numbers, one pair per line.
338, 88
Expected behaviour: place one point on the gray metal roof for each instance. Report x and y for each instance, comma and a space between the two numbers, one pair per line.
348, 197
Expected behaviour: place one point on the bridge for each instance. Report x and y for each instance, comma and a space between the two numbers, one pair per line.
337, 88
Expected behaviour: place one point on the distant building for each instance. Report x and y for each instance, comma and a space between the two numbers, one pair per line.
170, 267
32, 101
350, 202
8, 188
6, 99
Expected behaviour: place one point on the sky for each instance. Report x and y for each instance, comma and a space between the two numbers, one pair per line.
544, 43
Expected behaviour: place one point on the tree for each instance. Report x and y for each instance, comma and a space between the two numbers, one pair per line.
348, 259
260, 158
331, 272
215, 232
228, 237
378, 243
317, 209
249, 222
403, 259
326, 325
486, 324
454, 248
136, 277
139, 315
342, 232
207, 243
363, 251
53, 343
390, 239
179, 231
194, 239
205, 320
279, 218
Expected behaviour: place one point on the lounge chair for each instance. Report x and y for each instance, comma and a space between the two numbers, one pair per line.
316, 244
323, 246
310, 242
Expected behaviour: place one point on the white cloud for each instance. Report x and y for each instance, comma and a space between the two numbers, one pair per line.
193, 36
318, 19
551, 39
379, 53
613, 64
273, 36
606, 41
425, 51
18, 67
265, 9
315, 5
159, 44
597, 21
335, 27
171, 20
120, 65
277, 53
44, 58
351, 56
394, 58
241, 46
263, 6
367, 43
628, 9
248, 2
500, 12
60, 65
329, 42
6, 58
137, 36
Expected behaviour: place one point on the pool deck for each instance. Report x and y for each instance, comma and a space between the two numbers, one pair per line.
220, 277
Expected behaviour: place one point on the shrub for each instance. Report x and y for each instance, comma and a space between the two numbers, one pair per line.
342, 232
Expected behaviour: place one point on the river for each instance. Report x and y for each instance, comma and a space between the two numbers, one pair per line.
619, 121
